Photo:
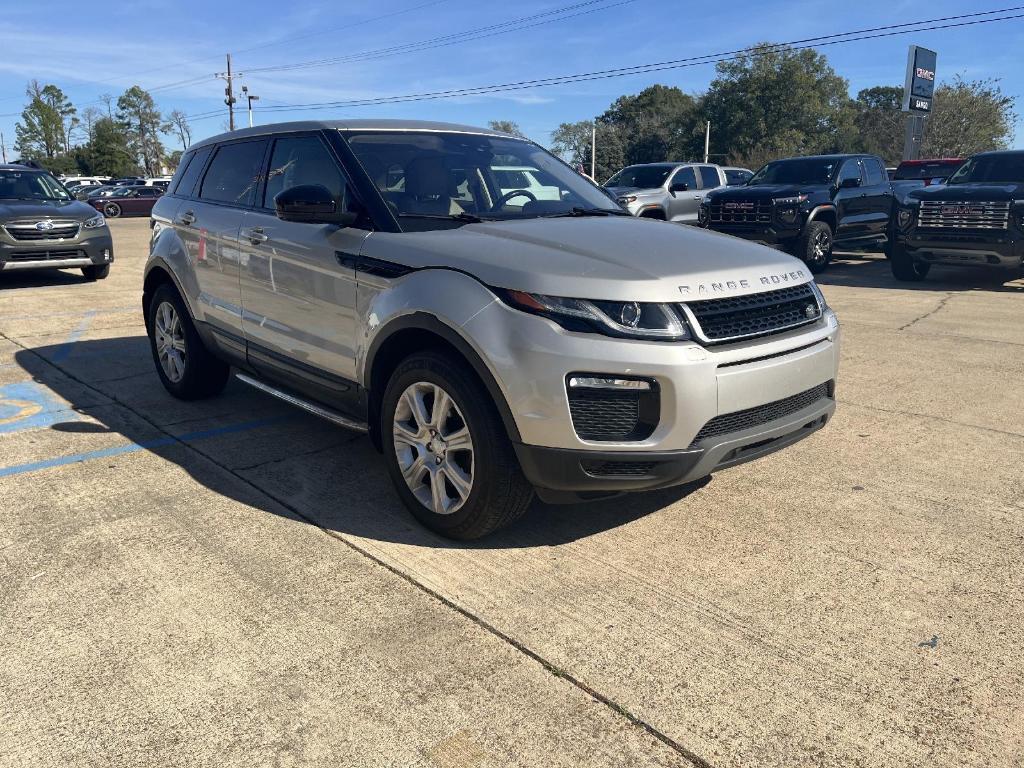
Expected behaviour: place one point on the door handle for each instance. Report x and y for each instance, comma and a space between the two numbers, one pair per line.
186, 219
256, 235
698, 197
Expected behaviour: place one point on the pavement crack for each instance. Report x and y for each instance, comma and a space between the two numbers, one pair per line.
481, 622
929, 313
934, 418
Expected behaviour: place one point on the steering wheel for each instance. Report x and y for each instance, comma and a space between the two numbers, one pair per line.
500, 202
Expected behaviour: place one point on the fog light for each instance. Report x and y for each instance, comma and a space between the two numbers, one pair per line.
106, 255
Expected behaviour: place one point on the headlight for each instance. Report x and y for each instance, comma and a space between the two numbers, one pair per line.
795, 200
95, 221
819, 296
624, 319
905, 218
703, 213
626, 199
789, 207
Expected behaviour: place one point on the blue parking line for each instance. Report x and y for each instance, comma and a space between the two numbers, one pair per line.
77, 332
160, 442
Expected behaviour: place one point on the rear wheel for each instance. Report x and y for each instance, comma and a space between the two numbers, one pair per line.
904, 266
446, 449
111, 210
186, 368
815, 246
96, 271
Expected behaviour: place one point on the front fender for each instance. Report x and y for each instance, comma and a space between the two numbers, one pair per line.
168, 253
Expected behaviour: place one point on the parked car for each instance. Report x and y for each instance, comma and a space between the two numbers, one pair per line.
102, 191
157, 181
531, 180
44, 227
71, 181
737, 177
82, 191
127, 201
668, 191
128, 181
975, 218
489, 343
928, 172
807, 205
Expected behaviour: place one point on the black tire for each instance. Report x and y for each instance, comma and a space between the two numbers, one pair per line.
904, 266
96, 272
814, 246
111, 210
202, 375
499, 493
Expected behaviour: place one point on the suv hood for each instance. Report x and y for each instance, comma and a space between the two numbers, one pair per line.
44, 209
969, 192
613, 258
759, 192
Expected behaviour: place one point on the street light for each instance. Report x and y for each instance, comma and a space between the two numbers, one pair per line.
251, 99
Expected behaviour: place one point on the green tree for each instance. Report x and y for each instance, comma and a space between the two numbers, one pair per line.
571, 141
654, 125
879, 125
510, 127
179, 124
46, 123
109, 153
773, 101
969, 116
143, 124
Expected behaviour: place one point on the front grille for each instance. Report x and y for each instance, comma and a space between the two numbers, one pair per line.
738, 421
964, 214
741, 212
28, 231
618, 468
51, 255
758, 314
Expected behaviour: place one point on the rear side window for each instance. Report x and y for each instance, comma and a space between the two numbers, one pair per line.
686, 176
184, 182
875, 171
300, 160
709, 177
234, 173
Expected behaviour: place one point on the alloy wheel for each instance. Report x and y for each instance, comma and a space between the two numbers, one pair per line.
434, 448
820, 246
170, 341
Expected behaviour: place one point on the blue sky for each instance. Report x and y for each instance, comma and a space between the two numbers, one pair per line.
159, 42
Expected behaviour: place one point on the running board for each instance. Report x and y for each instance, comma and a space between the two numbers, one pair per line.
317, 410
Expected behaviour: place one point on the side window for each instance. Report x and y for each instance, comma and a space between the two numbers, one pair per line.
875, 172
709, 177
686, 176
850, 170
233, 173
299, 160
185, 179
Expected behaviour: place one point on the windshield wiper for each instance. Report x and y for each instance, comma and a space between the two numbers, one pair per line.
469, 218
578, 211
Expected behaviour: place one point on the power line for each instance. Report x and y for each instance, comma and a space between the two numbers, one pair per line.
890, 30
513, 25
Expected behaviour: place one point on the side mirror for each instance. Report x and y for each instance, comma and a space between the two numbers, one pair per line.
849, 183
310, 204
679, 186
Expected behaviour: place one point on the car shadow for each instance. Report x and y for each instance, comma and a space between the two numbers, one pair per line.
39, 278
290, 464
855, 269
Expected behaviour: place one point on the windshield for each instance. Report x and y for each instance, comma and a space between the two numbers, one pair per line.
991, 169
458, 177
734, 177
30, 185
641, 176
804, 170
936, 170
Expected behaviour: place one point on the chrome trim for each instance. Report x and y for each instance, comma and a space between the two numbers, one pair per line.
10, 266
601, 382
317, 410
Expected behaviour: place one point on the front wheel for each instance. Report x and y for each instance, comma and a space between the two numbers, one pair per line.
815, 246
186, 368
111, 210
904, 266
446, 449
96, 272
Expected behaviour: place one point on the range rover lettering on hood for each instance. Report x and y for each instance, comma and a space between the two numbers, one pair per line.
709, 289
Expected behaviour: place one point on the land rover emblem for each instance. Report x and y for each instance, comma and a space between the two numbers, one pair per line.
44, 226
810, 311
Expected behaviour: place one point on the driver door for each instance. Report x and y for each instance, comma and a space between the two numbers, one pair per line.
850, 201
683, 205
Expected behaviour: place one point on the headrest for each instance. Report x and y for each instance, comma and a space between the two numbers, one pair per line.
427, 177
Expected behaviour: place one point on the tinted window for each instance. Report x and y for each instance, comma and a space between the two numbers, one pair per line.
688, 177
640, 176
188, 172
709, 177
1000, 168
875, 172
30, 185
233, 173
800, 170
735, 177
850, 170
923, 169
301, 160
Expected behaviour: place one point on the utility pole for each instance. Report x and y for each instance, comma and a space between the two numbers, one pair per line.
3, 147
229, 93
593, 152
707, 140
250, 98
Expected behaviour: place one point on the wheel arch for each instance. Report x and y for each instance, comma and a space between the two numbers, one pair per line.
413, 333
826, 214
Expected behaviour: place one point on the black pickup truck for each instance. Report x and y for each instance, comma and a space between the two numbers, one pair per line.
807, 205
976, 217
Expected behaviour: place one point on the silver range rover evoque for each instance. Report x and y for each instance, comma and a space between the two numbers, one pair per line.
493, 342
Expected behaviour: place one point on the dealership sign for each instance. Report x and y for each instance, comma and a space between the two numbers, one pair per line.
920, 85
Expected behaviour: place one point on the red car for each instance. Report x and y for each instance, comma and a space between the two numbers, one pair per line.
127, 201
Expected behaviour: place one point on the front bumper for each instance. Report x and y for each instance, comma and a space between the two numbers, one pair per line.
998, 248
769, 234
90, 247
